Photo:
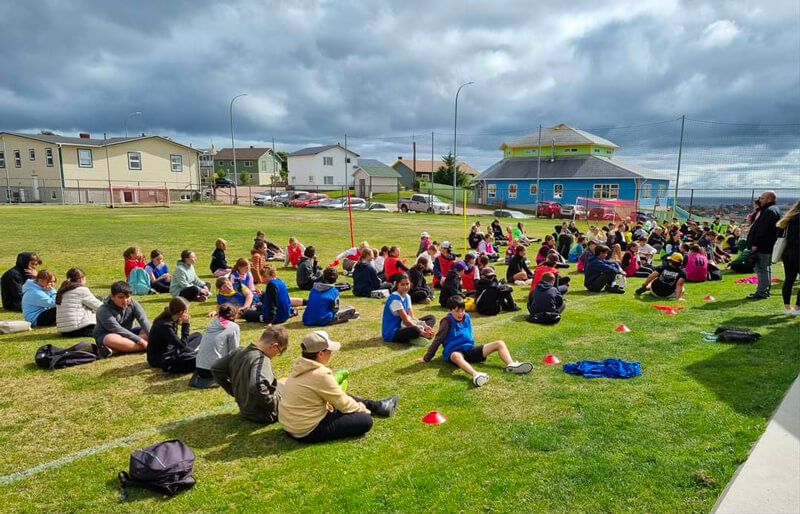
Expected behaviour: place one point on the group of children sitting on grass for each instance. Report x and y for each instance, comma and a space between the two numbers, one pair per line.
119, 324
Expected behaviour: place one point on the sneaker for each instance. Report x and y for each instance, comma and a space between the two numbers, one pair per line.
795, 312
788, 311
615, 290
480, 378
104, 351
519, 368
426, 301
755, 296
641, 290
386, 408
355, 316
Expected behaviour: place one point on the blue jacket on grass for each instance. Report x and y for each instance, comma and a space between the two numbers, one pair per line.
595, 267
323, 304
36, 300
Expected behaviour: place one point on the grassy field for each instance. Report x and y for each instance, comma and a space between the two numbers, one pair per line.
667, 441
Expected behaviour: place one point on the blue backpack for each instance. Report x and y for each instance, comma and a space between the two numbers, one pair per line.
139, 281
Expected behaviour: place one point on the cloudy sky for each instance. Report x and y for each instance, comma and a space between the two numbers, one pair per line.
381, 71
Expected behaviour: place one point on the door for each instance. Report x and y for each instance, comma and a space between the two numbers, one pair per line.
362, 188
35, 187
127, 196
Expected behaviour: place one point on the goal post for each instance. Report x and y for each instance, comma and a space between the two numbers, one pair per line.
139, 196
602, 209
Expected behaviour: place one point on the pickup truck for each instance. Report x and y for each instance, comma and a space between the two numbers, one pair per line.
424, 203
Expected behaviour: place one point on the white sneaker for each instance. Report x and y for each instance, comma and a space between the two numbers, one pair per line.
796, 312
788, 311
519, 368
480, 378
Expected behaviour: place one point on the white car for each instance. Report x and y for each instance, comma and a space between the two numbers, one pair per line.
262, 198
425, 203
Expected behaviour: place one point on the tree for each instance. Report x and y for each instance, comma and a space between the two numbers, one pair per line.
284, 165
444, 174
244, 178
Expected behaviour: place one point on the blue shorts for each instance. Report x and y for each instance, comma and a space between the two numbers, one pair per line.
102, 335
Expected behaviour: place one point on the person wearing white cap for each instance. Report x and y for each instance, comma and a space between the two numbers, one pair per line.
424, 243
314, 408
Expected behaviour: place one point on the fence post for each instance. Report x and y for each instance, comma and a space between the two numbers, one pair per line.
752, 196
691, 201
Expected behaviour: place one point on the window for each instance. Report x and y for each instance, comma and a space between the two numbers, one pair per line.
661, 190
294, 180
32, 154
134, 161
647, 191
17, 159
48, 156
53, 195
570, 150
558, 190
247, 164
311, 179
492, 190
533, 151
186, 197
263, 165
534, 191
327, 161
608, 191
328, 181
512, 190
596, 150
2, 159
84, 158
176, 163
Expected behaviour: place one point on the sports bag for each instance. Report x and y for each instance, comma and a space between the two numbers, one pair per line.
736, 335
165, 467
139, 281
780, 246
744, 263
14, 325
52, 357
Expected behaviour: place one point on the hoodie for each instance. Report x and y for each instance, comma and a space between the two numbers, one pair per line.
221, 338
365, 279
218, 260
12, 281
595, 267
323, 304
113, 320
36, 300
307, 273
544, 298
183, 277
450, 287
246, 374
310, 392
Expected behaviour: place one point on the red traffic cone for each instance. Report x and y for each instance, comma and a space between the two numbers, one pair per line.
333, 264
434, 418
709, 298
551, 360
622, 328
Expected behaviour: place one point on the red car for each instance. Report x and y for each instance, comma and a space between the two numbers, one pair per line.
604, 214
548, 210
305, 199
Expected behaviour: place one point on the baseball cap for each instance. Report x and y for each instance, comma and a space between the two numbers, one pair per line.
676, 257
445, 244
424, 234
460, 266
319, 340
488, 272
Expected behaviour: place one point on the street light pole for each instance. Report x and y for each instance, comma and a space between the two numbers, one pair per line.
455, 132
137, 113
233, 146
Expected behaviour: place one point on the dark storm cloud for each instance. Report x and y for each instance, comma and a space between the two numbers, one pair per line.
317, 69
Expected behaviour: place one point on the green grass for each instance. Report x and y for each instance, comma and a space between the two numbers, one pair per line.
668, 441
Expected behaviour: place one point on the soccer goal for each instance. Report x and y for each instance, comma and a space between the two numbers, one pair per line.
139, 196
598, 209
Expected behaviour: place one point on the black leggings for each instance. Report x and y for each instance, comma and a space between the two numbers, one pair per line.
46, 318
159, 286
191, 293
604, 281
336, 425
406, 334
87, 331
421, 294
791, 267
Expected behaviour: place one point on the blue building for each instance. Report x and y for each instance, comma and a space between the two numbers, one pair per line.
569, 164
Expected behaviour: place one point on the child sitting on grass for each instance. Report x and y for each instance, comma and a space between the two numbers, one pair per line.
365, 277
577, 249
114, 332
322, 307
185, 281
39, 299
666, 280
277, 305
420, 292
549, 266
696, 265
133, 259
601, 273
518, 270
234, 293
545, 301
75, 306
587, 254
220, 338
452, 283
294, 250
258, 262
549, 244
398, 324
471, 275
392, 265
158, 271
219, 265
455, 337
424, 243
241, 275
308, 272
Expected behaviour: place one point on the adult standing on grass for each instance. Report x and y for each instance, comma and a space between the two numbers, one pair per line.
114, 332
185, 282
313, 406
791, 257
761, 240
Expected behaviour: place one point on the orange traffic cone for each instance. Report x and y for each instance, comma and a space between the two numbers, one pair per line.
333, 264
670, 312
622, 328
709, 298
434, 418
551, 360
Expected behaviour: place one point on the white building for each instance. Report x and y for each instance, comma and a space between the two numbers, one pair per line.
372, 176
321, 167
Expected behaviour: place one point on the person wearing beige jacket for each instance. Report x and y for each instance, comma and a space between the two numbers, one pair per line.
76, 306
314, 408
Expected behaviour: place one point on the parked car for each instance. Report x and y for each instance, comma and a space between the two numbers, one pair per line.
505, 213
223, 182
263, 197
549, 209
424, 203
304, 199
579, 211
293, 195
341, 203
640, 217
378, 207
604, 214
314, 202
567, 211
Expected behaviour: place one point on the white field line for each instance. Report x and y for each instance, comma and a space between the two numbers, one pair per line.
138, 436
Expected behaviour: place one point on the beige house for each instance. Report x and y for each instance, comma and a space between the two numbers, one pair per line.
57, 169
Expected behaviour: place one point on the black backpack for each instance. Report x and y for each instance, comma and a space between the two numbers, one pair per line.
165, 467
52, 357
736, 335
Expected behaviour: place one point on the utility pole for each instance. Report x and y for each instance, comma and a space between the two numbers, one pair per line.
678, 176
233, 146
455, 132
538, 164
108, 170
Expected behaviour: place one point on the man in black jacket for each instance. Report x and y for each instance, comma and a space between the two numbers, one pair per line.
13, 279
761, 238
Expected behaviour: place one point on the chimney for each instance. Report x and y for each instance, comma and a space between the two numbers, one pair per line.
399, 157
84, 135
251, 146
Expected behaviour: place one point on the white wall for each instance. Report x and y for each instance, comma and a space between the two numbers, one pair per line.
308, 170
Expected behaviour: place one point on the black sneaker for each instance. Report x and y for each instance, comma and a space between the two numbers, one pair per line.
754, 296
104, 351
386, 408
615, 290
641, 290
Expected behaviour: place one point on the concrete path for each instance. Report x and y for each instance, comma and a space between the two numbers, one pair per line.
769, 480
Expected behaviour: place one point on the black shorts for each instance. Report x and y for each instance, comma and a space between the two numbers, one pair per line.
473, 355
